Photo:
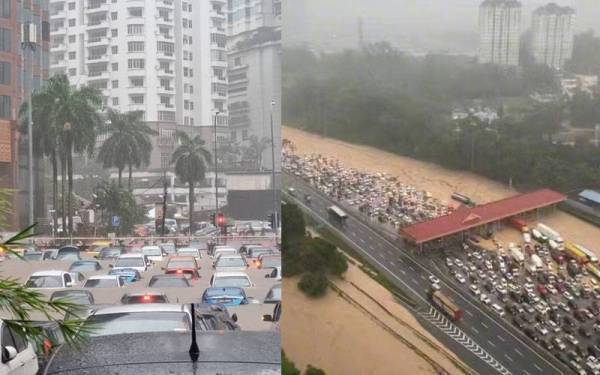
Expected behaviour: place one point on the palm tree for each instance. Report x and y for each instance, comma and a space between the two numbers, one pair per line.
255, 148
65, 119
128, 144
190, 159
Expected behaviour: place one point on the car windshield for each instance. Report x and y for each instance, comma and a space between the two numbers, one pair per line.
152, 251
274, 294
225, 281
44, 282
109, 253
67, 255
188, 252
33, 256
101, 283
84, 266
169, 282
129, 262
78, 298
256, 252
168, 247
271, 262
152, 321
181, 264
225, 292
230, 262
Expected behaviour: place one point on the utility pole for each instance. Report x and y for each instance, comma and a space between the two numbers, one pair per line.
216, 170
164, 207
273, 170
28, 42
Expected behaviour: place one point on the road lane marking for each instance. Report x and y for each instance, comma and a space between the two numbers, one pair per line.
469, 313
518, 352
392, 263
485, 325
403, 272
411, 268
475, 330
501, 339
507, 357
400, 260
491, 343
538, 367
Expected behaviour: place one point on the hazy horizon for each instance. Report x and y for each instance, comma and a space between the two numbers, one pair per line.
415, 25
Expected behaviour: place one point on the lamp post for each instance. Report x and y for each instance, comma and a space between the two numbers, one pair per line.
216, 168
28, 43
273, 170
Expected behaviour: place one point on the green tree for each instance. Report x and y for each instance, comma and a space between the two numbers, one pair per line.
313, 284
190, 159
115, 200
128, 143
288, 367
310, 370
254, 150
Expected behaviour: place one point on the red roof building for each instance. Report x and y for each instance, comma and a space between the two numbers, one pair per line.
465, 218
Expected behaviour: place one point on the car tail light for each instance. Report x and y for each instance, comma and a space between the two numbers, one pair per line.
147, 298
179, 271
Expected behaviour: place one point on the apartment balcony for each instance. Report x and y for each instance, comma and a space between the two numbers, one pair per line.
165, 73
98, 23
218, 64
217, 79
59, 31
58, 47
58, 64
164, 21
98, 41
218, 14
169, 4
166, 55
165, 37
97, 9
102, 58
169, 90
166, 106
98, 75
58, 15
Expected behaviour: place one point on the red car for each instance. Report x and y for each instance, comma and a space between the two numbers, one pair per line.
183, 265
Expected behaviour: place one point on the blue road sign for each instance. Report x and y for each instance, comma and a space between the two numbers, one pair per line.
116, 221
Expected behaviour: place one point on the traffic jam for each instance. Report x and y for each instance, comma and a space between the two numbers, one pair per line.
545, 286
142, 285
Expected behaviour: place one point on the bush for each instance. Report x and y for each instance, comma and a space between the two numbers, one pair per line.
288, 367
313, 284
313, 371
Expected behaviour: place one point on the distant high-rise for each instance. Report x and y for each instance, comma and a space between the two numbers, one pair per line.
552, 27
499, 32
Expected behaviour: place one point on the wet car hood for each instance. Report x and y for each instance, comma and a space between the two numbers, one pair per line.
231, 352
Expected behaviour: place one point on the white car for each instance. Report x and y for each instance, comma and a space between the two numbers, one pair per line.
230, 263
18, 355
224, 250
189, 252
433, 279
485, 299
474, 289
568, 296
570, 338
50, 280
154, 253
138, 262
499, 310
449, 262
541, 329
235, 279
460, 278
103, 281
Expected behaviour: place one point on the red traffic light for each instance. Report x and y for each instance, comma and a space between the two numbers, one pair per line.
220, 219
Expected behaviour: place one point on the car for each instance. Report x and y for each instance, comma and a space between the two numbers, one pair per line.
189, 252
68, 253
227, 279
570, 338
567, 320
553, 326
585, 331
546, 344
168, 247
541, 329
110, 253
211, 317
183, 265
128, 275
85, 266
33, 256
268, 261
80, 297
485, 299
499, 310
274, 294
169, 281
568, 295
530, 332
51, 279
449, 262
276, 274
433, 279
255, 252
144, 297
224, 250
519, 322
564, 307
274, 318
153, 253
138, 262
226, 296
137, 318
103, 281
230, 263
594, 350
557, 341
474, 289
460, 278
18, 354
580, 315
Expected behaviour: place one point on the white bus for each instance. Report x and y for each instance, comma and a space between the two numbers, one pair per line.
337, 214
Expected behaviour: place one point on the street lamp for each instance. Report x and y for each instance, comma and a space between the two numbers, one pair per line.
273, 169
28, 42
216, 169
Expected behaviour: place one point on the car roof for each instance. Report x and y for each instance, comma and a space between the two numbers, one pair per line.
229, 273
152, 247
85, 261
181, 257
168, 276
103, 277
149, 293
146, 307
71, 291
226, 288
236, 256
131, 255
232, 352
49, 273
188, 248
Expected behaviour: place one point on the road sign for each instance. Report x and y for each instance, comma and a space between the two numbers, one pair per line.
116, 221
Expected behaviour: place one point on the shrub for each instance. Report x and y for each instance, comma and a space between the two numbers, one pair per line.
313, 284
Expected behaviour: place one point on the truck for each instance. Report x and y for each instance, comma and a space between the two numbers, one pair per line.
573, 252
518, 224
588, 253
550, 233
463, 199
446, 305
593, 269
535, 264
516, 253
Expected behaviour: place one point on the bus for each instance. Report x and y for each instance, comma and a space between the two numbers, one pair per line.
446, 305
588, 253
593, 269
574, 252
337, 214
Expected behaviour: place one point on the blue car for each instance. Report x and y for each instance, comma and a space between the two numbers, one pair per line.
128, 275
228, 296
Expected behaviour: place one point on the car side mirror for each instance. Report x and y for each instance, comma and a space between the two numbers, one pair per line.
69, 284
234, 317
163, 268
110, 265
8, 353
267, 318
268, 276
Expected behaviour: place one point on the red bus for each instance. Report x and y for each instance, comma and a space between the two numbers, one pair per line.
446, 305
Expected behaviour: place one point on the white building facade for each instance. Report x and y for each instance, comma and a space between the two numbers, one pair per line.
254, 54
552, 28
166, 58
499, 32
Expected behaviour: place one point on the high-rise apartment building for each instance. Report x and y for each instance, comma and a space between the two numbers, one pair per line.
499, 32
166, 58
16, 79
254, 43
552, 35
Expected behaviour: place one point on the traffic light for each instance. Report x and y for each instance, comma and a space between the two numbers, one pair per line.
220, 219
212, 219
272, 219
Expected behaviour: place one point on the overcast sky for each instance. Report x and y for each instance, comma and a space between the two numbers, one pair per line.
417, 25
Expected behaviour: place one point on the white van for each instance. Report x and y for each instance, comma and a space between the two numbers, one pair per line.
224, 250
18, 355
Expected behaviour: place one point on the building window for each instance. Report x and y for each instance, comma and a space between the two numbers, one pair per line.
115, 84
4, 73
72, 38
135, 29
136, 99
136, 81
5, 106
114, 50
136, 64
135, 12
115, 67
114, 33
135, 46
237, 61
5, 8
114, 16
165, 47
72, 6
115, 101
72, 72
166, 101
165, 160
72, 55
191, 121
5, 40
166, 116
72, 22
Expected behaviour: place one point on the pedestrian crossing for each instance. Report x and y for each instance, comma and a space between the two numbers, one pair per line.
434, 317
